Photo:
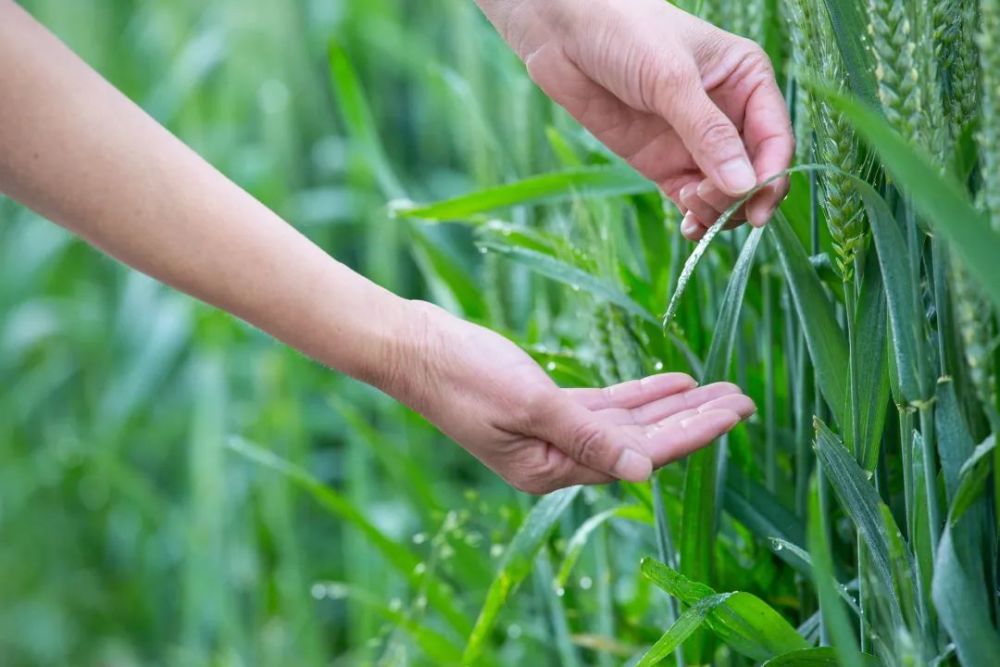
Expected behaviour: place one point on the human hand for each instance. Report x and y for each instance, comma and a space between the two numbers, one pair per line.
489, 396
691, 107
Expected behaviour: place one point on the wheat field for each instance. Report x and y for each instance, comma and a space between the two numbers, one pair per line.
178, 489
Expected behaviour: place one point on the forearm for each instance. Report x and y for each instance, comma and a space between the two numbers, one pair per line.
77, 151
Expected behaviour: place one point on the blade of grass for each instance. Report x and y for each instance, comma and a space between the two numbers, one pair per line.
516, 565
555, 187
701, 478
743, 621
835, 618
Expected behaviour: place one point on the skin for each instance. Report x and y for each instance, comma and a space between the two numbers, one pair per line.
691, 107
81, 154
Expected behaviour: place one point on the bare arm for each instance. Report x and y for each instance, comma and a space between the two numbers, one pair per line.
80, 153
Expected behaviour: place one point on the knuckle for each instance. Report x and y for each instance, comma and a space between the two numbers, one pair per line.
586, 444
716, 134
534, 408
530, 484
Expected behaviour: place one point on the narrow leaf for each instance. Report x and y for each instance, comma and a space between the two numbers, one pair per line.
516, 565
549, 188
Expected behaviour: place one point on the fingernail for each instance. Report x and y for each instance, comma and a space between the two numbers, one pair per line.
689, 225
738, 176
759, 215
704, 188
633, 467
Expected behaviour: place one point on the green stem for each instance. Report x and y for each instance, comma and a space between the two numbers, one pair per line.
770, 453
667, 553
857, 446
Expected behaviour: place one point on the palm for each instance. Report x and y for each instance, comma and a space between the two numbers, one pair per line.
501, 406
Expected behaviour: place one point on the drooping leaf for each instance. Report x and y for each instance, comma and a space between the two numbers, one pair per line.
701, 484
516, 565
682, 628
560, 186
578, 279
743, 621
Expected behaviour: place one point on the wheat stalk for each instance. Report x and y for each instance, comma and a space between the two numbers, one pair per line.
892, 41
816, 52
989, 133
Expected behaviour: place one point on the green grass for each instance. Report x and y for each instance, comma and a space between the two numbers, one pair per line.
177, 489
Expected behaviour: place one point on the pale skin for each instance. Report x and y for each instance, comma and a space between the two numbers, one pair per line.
81, 154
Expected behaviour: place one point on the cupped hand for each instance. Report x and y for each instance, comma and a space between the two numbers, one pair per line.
493, 399
693, 108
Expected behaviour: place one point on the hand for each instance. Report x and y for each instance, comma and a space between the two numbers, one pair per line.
691, 107
494, 400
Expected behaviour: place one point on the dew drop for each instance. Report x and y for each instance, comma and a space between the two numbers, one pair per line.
551, 366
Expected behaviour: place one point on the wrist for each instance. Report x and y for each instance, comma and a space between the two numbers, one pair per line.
399, 358
526, 25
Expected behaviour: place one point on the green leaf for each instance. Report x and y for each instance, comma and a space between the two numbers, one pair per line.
905, 317
942, 201
759, 510
549, 188
822, 656
400, 557
962, 605
850, 21
837, 622
873, 362
682, 628
435, 645
863, 505
446, 278
972, 479
824, 337
699, 497
579, 539
575, 278
954, 442
743, 621
516, 565
357, 117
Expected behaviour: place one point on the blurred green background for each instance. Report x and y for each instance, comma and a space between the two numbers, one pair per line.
129, 533
178, 489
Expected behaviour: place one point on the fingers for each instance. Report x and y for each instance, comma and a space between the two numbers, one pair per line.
767, 129
590, 441
681, 434
658, 410
710, 136
633, 393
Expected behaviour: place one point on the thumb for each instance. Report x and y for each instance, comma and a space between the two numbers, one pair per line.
603, 447
709, 135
